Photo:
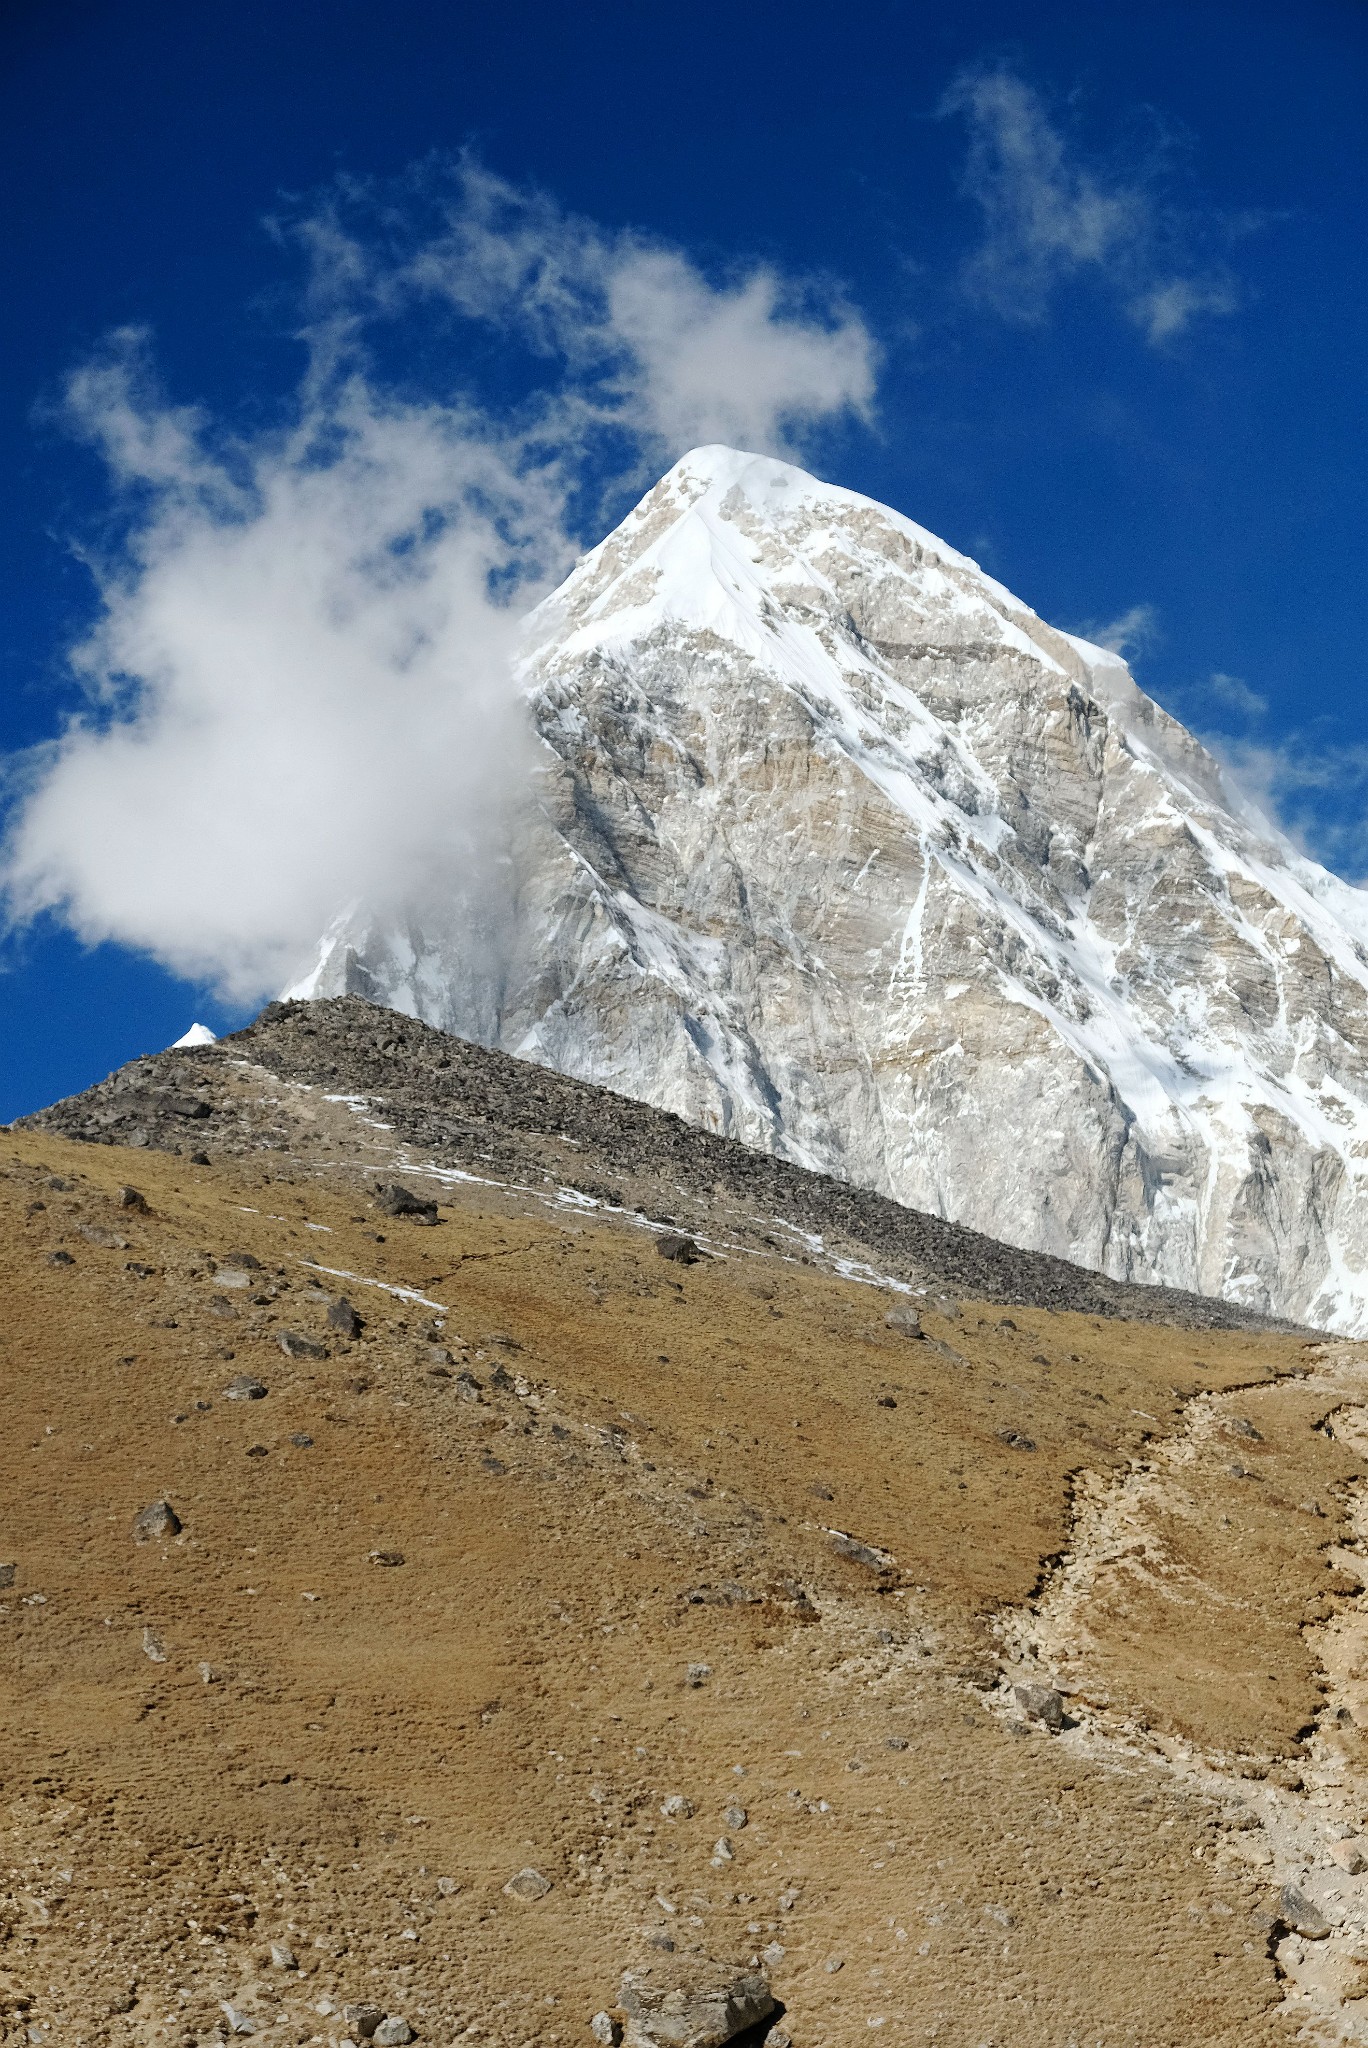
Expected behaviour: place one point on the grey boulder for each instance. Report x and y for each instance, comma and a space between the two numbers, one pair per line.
157, 1521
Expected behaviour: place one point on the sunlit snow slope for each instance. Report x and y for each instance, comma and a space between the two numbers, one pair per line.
839, 848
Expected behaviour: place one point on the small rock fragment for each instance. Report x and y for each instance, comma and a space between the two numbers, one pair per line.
391, 1557
295, 1346
833, 1964
239, 2022
400, 1201
158, 1520
153, 1646
8, 1573
778, 2037
392, 2032
301, 1440
60, 1259
605, 2029
905, 1321
677, 1807
1041, 1703
362, 2020
283, 1956
736, 1817
133, 1198
698, 1674
343, 1318
723, 1851
1351, 1855
1302, 1915
859, 1553
245, 1387
528, 1884
681, 1249
1015, 1440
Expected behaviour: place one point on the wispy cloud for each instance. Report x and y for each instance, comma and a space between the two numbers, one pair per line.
300, 689
1234, 695
1307, 782
1130, 633
1314, 788
640, 335
1050, 215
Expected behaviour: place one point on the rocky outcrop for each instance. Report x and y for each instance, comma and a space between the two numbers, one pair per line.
837, 848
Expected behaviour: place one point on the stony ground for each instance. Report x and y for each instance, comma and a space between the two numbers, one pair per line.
700, 1590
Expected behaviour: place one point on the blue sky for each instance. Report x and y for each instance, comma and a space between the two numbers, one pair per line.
1098, 274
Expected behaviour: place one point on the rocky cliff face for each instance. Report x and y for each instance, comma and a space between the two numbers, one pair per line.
838, 848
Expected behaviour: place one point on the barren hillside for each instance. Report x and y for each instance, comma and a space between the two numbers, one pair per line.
998, 1683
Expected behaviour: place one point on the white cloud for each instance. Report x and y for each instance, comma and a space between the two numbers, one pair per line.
1232, 693
304, 676
1315, 790
299, 691
1134, 629
1048, 216
649, 342
732, 365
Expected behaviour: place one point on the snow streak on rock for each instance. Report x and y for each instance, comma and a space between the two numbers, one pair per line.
840, 849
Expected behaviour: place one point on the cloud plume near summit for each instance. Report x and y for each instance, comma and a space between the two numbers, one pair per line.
298, 690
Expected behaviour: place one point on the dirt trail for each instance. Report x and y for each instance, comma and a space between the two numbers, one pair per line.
1170, 1637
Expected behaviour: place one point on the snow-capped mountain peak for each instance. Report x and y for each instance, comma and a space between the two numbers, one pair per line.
839, 847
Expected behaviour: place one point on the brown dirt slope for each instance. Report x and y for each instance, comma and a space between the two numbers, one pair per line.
567, 1532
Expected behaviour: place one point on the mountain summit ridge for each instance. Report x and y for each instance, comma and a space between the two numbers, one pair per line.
835, 846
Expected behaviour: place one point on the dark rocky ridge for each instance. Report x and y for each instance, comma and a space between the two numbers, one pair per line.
460, 1104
